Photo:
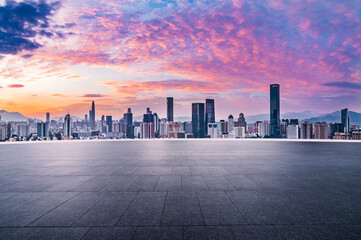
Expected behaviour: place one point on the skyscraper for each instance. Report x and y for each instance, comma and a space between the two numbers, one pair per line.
170, 116
345, 119
210, 113
198, 120
230, 123
92, 117
128, 121
109, 122
321, 130
306, 130
241, 121
67, 126
48, 117
275, 110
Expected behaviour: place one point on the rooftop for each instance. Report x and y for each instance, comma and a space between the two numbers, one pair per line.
163, 189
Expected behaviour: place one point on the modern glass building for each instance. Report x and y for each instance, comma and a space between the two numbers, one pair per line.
275, 110
345, 120
198, 120
210, 112
170, 116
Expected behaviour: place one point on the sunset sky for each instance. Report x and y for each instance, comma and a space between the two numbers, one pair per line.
60, 55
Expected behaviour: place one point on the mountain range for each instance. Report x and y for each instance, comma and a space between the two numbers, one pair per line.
355, 118
12, 116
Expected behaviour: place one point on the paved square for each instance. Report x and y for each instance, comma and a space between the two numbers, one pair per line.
186, 189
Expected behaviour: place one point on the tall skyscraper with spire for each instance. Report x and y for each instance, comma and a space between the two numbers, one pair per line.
92, 116
275, 110
170, 108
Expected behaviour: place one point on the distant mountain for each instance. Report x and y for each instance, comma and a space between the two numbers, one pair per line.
12, 116
289, 115
355, 118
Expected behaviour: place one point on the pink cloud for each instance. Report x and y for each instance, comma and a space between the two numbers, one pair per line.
16, 86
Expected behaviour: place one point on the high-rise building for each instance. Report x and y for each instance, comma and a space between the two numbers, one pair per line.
128, 117
212, 130
294, 121
335, 128
42, 129
292, 131
321, 130
128, 121
148, 116
170, 108
230, 123
223, 126
263, 128
239, 132
241, 121
283, 128
210, 112
92, 117
156, 123
306, 130
86, 118
345, 119
173, 129
275, 110
109, 122
48, 117
198, 120
67, 126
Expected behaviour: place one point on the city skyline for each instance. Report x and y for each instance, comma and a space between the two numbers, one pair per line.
229, 51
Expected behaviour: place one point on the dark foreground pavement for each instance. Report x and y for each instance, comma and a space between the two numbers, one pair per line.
211, 189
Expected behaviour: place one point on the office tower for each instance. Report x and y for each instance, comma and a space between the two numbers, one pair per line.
345, 120
67, 126
102, 119
292, 131
22, 130
92, 116
173, 130
306, 130
212, 130
210, 112
239, 132
241, 122
163, 128
230, 123
86, 118
156, 122
335, 128
147, 127
170, 108
109, 122
128, 121
223, 126
321, 130
128, 117
283, 128
148, 116
198, 120
42, 129
264, 128
275, 110
294, 121
48, 117
187, 127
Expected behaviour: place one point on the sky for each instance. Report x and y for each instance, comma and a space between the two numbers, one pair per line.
58, 56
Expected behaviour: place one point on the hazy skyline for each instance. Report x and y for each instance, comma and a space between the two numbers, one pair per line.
57, 56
